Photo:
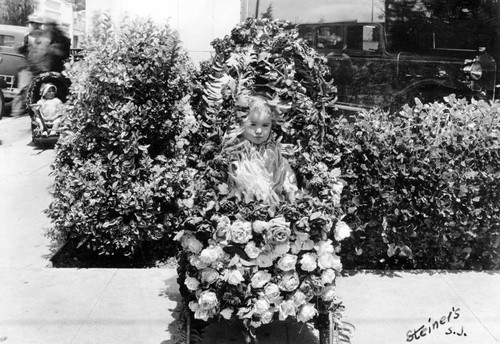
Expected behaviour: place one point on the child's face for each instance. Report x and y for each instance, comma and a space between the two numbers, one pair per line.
51, 93
258, 126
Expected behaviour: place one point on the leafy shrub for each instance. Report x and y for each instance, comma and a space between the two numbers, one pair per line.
423, 187
120, 165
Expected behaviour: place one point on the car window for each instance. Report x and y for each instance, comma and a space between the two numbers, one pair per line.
362, 37
371, 36
7, 40
330, 37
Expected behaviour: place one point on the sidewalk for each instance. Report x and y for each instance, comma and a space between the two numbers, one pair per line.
40, 304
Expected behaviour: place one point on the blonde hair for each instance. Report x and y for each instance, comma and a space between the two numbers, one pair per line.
258, 104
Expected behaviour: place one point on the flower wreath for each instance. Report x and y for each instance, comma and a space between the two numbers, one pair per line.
252, 260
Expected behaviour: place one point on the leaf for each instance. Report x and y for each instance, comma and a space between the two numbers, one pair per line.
223, 189
391, 250
405, 251
210, 205
336, 172
315, 215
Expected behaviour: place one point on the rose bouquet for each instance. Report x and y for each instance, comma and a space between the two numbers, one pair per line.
256, 270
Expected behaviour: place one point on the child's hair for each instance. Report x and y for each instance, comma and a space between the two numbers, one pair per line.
257, 103
46, 87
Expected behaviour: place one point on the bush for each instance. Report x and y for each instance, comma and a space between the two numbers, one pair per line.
120, 166
423, 187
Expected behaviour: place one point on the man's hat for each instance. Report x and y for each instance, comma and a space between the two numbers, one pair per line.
35, 18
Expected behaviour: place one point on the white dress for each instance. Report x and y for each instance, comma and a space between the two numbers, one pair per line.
261, 173
50, 108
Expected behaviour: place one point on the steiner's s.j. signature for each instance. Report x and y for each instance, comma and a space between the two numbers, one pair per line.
433, 325
451, 330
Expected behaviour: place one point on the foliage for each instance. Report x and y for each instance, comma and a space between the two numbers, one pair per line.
78, 5
412, 23
423, 187
234, 251
120, 168
269, 13
16, 12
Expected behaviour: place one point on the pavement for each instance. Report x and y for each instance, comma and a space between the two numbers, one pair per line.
42, 304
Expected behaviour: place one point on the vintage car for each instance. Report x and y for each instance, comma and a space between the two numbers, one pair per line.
368, 73
10, 62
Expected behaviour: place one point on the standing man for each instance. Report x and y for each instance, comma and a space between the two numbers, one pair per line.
25, 75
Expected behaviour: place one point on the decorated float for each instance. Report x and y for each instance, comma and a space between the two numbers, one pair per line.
256, 248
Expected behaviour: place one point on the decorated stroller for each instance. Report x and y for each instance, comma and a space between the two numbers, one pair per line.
251, 254
44, 128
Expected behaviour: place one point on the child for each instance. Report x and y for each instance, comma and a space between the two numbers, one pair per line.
50, 108
258, 171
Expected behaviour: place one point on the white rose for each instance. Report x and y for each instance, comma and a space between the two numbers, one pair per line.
202, 315
286, 308
324, 247
260, 226
209, 275
289, 281
207, 300
299, 298
342, 230
191, 283
197, 262
266, 317
279, 230
191, 244
328, 276
272, 293
240, 232
193, 306
260, 306
280, 249
233, 276
265, 260
287, 262
329, 260
260, 278
211, 254
306, 312
251, 250
227, 313
308, 262
328, 293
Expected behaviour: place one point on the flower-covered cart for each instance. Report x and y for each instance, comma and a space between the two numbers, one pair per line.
244, 257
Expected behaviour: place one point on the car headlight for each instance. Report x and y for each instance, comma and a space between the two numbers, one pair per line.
474, 70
